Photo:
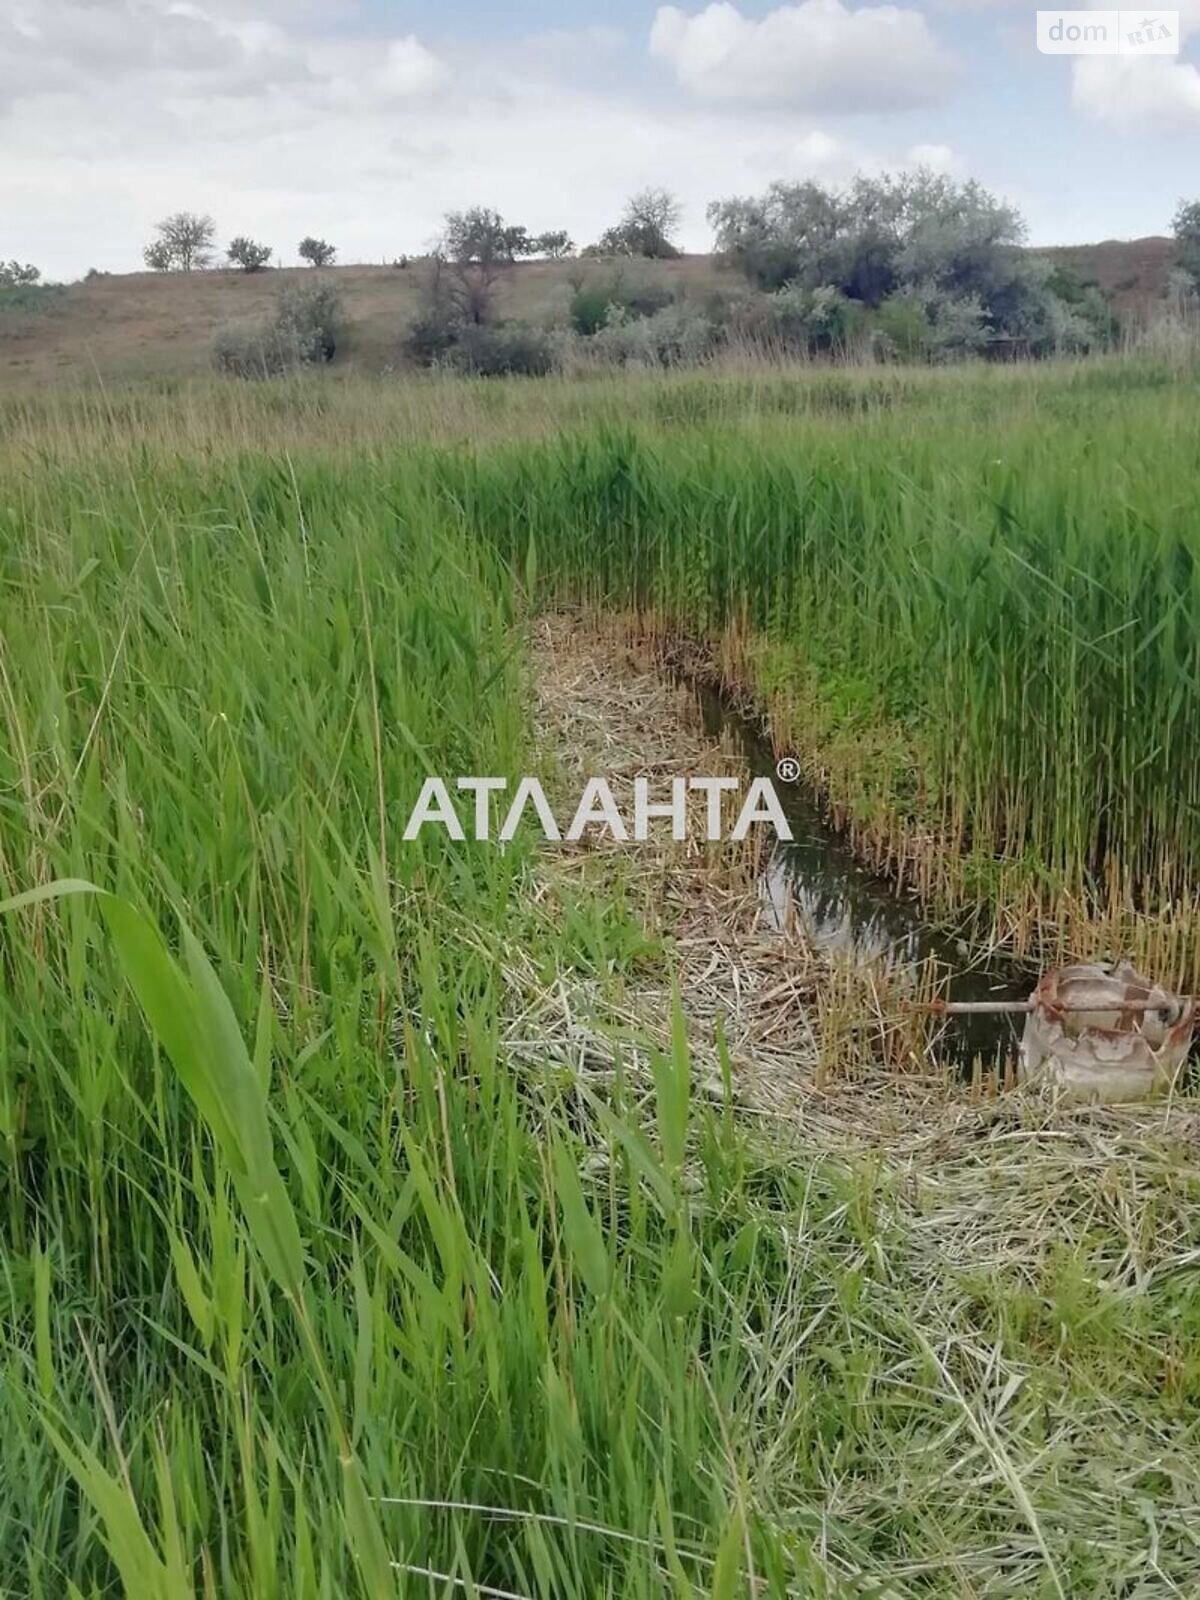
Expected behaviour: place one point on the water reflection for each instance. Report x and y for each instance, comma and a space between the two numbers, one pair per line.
842, 908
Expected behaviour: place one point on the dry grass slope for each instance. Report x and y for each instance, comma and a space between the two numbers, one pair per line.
145, 324
154, 325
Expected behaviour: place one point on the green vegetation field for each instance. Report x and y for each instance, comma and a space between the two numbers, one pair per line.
307, 1288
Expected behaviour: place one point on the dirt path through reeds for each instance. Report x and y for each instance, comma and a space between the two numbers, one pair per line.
604, 709
821, 1054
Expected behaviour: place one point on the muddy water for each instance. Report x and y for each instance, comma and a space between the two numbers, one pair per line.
844, 908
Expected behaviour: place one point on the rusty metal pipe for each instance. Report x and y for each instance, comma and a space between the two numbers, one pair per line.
983, 1008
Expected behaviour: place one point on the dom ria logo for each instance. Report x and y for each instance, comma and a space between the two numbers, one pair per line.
1108, 33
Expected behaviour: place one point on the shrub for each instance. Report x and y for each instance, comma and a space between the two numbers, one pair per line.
430, 337
902, 328
503, 349
642, 297
960, 327
308, 319
1173, 334
596, 304
1183, 294
1071, 330
674, 336
589, 309
36, 297
800, 321
303, 333
439, 338
247, 353
1100, 321
248, 254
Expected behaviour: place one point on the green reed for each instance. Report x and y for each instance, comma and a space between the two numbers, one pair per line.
549, 1333
1018, 597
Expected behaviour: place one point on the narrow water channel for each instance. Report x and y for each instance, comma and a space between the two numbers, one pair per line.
844, 908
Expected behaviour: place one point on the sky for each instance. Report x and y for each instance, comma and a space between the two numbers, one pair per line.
364, 121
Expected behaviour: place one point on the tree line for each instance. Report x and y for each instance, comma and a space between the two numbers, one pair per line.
186, 241
912, 265
868, 240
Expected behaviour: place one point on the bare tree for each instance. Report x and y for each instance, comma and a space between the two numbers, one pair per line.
184, 243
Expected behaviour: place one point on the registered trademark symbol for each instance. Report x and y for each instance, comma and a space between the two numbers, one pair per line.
787, 769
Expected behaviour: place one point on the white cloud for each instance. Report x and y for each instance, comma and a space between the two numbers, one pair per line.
574, 44
834, 160
1141, 94
820, 155
979, 5
815, 56
1153, 94
411, 69
71, 46
937, 157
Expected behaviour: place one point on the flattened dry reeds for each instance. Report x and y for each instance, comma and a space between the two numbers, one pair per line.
791, 1017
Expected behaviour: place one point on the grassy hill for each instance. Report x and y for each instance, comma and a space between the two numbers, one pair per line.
148, 324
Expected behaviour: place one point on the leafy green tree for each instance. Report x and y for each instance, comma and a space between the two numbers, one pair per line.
478, 247
647, 227
557, 244
518, 242
478, 237
1185, 225
317, 252
248, 254
157, 256
18, 275
946, 258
